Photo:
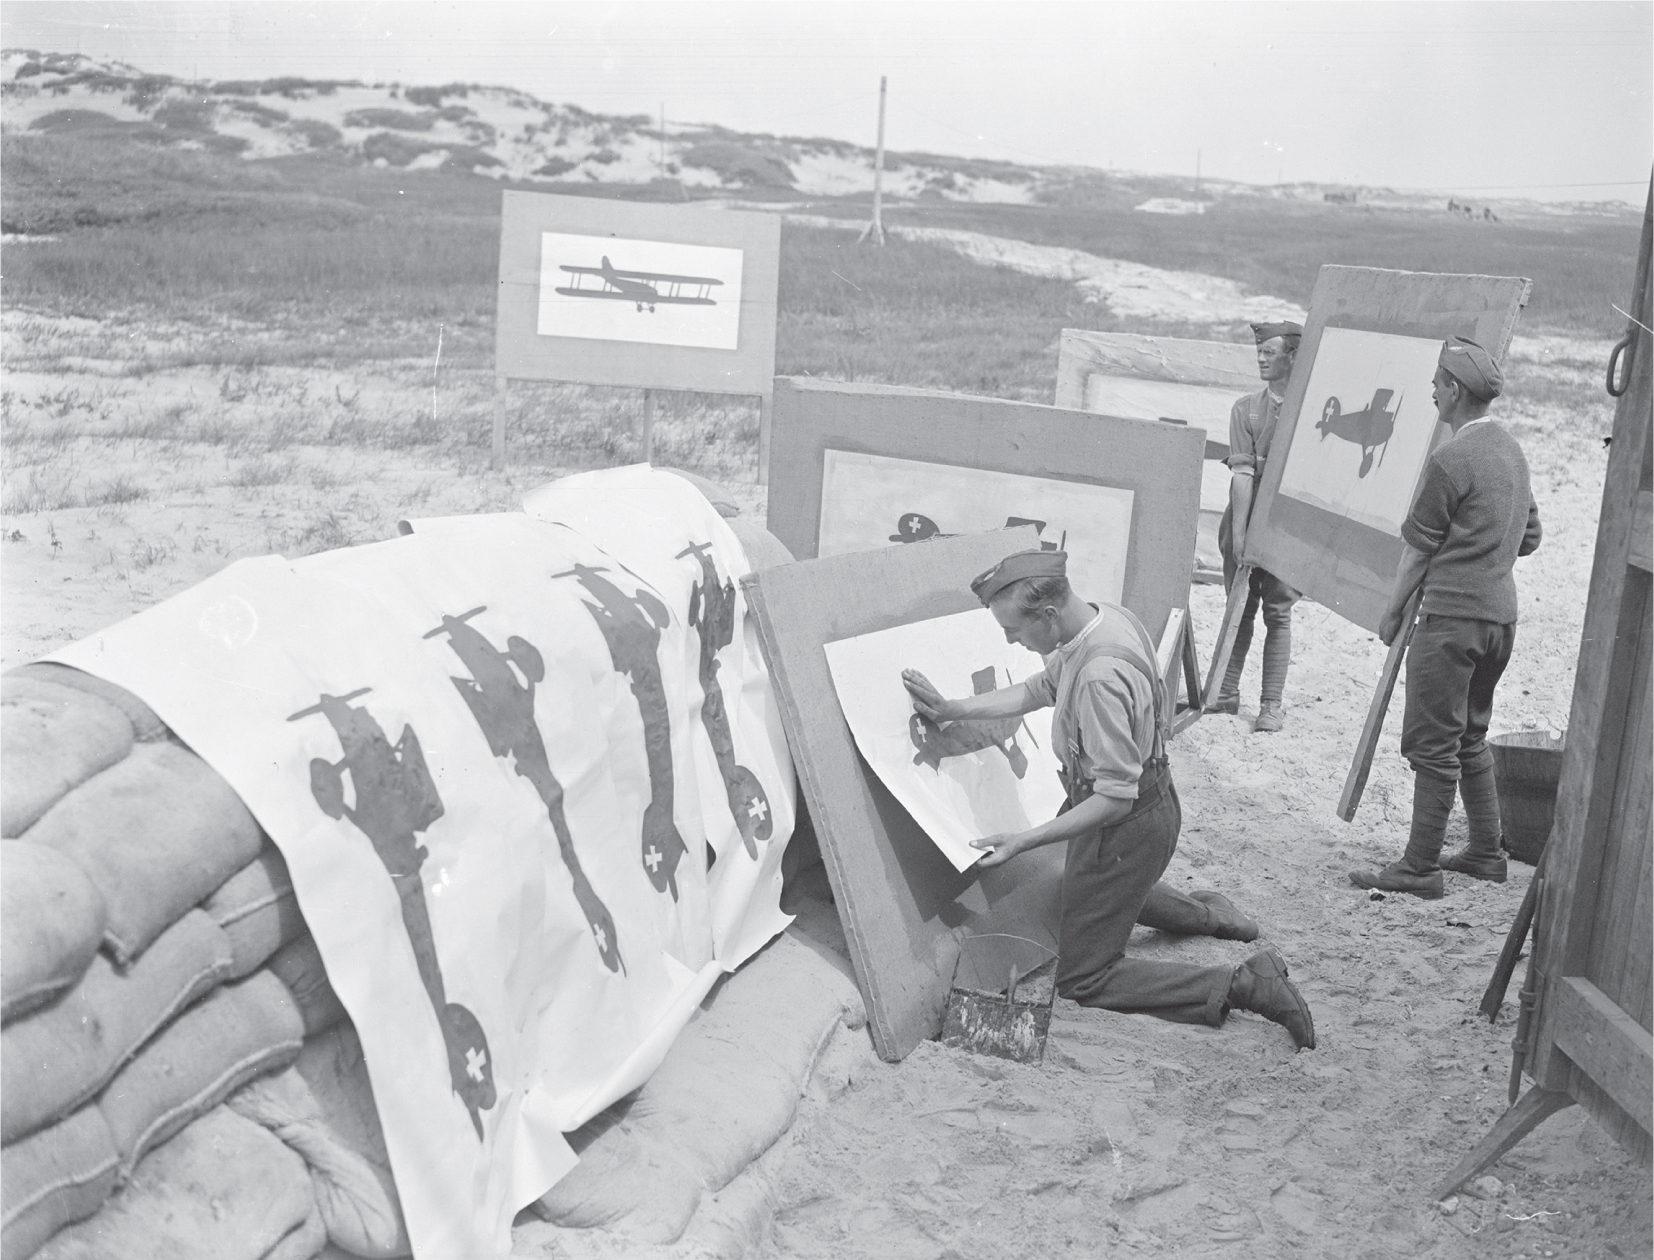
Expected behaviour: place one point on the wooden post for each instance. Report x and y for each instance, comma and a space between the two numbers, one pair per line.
1238, 590
497, 461
766, 417
648, 426
1356, 781
875, 229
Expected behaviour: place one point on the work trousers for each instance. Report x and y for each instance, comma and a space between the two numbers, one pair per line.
1110, 882
1275, 598
1453, 665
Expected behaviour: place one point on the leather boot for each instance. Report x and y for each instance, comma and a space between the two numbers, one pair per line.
1227, 702
1419, 871
1481, 857
1270, 717
1260, 985
1229, 924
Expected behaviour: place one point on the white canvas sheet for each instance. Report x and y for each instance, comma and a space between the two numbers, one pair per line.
870, 501
967, 780
1353, 452
483, 752
660, 321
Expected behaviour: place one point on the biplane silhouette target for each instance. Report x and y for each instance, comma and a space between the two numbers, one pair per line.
646, 289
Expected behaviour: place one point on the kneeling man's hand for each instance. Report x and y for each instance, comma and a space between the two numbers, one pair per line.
1001, 848
926, 699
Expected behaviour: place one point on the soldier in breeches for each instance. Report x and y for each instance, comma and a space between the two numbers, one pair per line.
1473, 516
1122, 815
1251, 433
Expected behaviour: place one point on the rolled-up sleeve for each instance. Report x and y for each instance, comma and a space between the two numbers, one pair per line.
1105, 711
1531, 535
1041, 689
1426, 526
1243, 443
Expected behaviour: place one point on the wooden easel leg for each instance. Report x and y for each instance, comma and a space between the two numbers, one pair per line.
766, 409
1191, 679
1227, 632
1355, 783
648, 426
1506, 1132
497, 459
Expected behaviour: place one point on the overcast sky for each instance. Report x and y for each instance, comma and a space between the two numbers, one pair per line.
1491, 99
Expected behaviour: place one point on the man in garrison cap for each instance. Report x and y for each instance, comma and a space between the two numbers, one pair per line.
1122, 816
1251, 433
1473, 516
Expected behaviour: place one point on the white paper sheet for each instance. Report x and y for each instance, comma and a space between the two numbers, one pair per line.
1366, 426
966, 780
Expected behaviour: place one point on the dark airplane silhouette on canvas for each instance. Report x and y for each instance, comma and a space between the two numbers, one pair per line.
643, 288
1370, 428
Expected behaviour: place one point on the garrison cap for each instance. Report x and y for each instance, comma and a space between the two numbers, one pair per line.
1015, 567
1473, 367
1281, 328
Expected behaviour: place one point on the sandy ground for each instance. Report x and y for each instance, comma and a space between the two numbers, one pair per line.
1134, 1138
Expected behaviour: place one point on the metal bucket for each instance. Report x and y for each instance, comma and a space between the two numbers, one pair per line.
1527, 766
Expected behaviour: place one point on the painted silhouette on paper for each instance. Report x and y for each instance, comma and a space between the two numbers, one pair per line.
1370, 428
504, 709
642, 288
632, 626
912, 527
956, 739
712, 613
395, 800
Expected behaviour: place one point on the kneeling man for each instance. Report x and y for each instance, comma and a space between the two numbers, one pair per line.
1122, 816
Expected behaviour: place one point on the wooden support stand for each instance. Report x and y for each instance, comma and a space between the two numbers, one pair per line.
1177, 652
497, 459
1511, 1128
1355, 783
1226, 633
647, 442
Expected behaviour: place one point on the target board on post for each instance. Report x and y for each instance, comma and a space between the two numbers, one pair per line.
657, 297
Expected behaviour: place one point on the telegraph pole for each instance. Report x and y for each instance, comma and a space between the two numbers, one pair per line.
875, 229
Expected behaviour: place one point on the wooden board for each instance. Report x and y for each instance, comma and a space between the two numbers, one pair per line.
1152, 378
1159, 463
1349, 564
521, 351
904, 908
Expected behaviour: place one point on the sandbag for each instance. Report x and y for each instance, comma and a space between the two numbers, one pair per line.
236, 1033
61, 1056
59, 1175
723, 503
51, 922
52, 739
764, 550
355, 1195
298, 964
156, 833
257, 910
728, 1087
222, 1189
145, 725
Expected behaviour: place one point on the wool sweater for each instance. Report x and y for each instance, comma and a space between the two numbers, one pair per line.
1474, 515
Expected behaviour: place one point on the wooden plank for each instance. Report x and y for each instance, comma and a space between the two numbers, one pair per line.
1173, 360
1507, 1131
523, 353
766, 418
1642, 532
903, 906
1366, 744
1599, 712
1227, 630
648, 440
1159, 463
1168, 653
1341, 562
1620, 917
1610, 1047
497, 451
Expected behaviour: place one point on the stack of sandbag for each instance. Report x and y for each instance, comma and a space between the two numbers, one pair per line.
176, 1075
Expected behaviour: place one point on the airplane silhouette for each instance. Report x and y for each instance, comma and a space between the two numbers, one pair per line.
643, 288
1370, 428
